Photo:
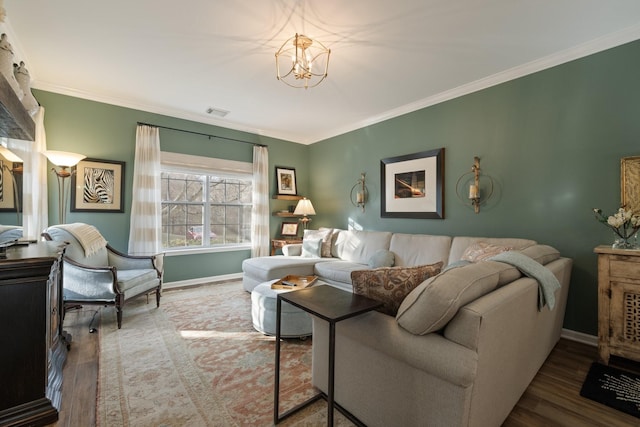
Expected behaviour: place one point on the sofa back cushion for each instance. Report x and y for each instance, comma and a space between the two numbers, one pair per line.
359, 246
419, 249
431, 305
461, 243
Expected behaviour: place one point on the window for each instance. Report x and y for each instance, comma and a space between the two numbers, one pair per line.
203, 207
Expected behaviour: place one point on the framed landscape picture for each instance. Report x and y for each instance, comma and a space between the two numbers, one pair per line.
412, 185
97, 186
286, 181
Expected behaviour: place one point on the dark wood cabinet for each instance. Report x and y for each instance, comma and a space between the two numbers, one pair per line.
32, 347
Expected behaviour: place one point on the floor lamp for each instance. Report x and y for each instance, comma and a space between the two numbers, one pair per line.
64, 160
15, 160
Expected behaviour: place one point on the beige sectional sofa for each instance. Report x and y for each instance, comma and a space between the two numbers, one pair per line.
464, 344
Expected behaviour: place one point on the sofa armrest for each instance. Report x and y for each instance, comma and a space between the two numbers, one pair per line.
293, 249
131, 262
431, 353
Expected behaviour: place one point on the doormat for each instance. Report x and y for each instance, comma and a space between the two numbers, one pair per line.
613, 387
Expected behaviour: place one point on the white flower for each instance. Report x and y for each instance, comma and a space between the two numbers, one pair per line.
615, 221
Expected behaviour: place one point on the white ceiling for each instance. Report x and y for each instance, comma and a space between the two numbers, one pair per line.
387, 58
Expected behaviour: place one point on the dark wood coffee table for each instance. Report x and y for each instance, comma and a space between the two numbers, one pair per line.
330, 304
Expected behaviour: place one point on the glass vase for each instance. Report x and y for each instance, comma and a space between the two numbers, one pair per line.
629, 242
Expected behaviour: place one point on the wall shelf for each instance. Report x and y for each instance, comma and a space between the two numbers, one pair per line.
285, 214
287, 197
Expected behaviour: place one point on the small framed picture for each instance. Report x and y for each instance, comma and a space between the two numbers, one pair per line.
98, 186
289, 229
286, 181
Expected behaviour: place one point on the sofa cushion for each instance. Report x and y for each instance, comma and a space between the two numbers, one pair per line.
460, 243
381, 258
311, 248
390, 285
419, 249
431, 305
358, 246
337, 271
480, 251
541, 253
262, 269
324, 234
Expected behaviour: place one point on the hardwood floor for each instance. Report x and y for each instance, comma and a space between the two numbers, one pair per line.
552, 399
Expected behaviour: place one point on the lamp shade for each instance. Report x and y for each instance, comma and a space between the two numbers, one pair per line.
304, 207
9, 155
63, 158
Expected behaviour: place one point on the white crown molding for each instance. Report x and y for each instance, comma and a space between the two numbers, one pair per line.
603, 43
589, 48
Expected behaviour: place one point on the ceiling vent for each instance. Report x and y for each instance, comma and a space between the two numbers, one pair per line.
217, 112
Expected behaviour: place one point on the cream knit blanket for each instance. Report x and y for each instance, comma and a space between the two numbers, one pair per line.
89, 237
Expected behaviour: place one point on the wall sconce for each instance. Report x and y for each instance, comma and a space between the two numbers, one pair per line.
16, 168
64, 160
361, 192
473, 179
304, 208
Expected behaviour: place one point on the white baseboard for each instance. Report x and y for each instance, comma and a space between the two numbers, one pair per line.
579, 337
201, 281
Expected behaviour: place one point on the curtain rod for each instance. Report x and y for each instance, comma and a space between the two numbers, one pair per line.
203, 134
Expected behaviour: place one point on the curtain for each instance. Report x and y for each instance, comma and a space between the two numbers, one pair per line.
260, 213
35, 210
146, 220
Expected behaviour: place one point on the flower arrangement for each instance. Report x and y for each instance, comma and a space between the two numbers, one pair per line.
624, 223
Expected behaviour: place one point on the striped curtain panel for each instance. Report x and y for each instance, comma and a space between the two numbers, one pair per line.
260, 242
146, 205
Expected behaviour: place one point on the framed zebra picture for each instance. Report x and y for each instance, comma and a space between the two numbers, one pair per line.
97, 186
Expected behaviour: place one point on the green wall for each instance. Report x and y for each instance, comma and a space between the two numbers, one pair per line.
105, 131
552, 141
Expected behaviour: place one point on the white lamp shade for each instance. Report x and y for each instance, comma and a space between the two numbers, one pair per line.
9, 155
63, 158
304, 207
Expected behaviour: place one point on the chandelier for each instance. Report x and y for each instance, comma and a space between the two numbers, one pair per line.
302, 62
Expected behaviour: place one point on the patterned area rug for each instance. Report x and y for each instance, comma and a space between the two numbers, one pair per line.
197, 361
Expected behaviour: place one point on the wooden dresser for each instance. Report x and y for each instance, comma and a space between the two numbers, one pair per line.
618, 303
32, 349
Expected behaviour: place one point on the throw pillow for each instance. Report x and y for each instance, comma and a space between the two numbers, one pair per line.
390, 285
430, 306
381, 258
311, 248
324, 234
482, 250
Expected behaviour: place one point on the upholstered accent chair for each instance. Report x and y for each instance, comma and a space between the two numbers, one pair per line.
95, 273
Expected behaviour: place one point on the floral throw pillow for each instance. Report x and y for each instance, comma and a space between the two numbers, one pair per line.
482, 250
390, 285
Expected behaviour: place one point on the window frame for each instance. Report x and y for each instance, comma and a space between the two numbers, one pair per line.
200, 165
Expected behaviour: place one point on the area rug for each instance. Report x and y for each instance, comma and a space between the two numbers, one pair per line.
613, 387
197, 361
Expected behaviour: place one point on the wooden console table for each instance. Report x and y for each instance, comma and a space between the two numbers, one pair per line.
279, 243
618, 303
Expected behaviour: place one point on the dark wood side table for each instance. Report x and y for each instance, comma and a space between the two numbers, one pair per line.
332, 305
279, 243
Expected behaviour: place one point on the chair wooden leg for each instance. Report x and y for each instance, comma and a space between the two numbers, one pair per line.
119, 316
157, 297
